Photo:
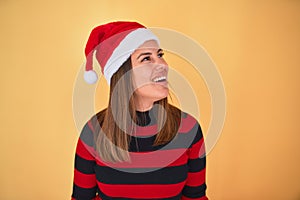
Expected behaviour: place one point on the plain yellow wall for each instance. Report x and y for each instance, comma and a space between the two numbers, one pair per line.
255, 45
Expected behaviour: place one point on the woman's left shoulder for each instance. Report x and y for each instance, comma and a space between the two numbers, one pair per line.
185, 116
188, 120
190, 128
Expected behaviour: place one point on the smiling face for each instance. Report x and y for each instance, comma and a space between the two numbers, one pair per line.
150, 72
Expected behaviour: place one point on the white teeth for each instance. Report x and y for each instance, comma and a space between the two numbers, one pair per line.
162, 78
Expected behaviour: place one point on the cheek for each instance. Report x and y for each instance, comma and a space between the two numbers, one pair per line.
142, 77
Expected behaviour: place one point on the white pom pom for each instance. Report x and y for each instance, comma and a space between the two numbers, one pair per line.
90, 76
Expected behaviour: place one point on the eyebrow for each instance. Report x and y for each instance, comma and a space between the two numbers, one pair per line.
148, 53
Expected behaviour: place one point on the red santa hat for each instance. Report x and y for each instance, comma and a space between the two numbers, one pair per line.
113, 44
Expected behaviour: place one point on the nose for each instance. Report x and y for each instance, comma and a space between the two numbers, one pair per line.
161, 66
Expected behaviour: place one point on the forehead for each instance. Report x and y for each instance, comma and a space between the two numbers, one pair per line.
148, 45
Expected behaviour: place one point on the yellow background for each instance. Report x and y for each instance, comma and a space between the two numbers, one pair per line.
255, 45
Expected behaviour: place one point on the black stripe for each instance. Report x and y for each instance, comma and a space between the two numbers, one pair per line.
167, 175
87, 136
139, 144
196, 165
183, 115
83, 193
181, 141
184, 140
199, 134
84, 166
194, 192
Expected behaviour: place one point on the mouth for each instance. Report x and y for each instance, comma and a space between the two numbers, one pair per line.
159, 79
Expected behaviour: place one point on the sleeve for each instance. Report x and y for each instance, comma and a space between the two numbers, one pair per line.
195, 187
84, 184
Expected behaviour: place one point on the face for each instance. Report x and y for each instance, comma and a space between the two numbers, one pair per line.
150, 72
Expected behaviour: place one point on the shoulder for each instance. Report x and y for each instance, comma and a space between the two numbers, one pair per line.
91, 128
188, 122
190, 127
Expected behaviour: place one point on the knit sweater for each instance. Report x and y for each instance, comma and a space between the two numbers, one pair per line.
173, 171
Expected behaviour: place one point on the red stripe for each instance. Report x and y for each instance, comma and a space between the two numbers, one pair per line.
196, 178
182, 160
187, 124
84, 180
145, 130
173, 157
84, 151
200, 198
141, 191
96, 198
197, 150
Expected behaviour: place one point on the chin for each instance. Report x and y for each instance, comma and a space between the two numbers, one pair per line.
155, 94
163, 95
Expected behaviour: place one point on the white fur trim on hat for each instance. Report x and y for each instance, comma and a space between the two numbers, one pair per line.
124, 50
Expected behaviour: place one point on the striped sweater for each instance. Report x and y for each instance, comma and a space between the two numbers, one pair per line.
172, 171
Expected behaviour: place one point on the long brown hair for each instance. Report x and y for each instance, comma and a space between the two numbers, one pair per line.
118, 120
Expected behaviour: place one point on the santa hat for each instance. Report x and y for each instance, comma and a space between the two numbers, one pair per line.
113, 44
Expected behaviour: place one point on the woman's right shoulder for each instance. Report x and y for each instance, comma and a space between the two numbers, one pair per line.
97, 119
92, 128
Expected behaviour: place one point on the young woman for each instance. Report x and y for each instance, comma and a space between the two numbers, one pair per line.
140, 146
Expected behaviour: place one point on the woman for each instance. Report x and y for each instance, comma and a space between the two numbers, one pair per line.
140, 147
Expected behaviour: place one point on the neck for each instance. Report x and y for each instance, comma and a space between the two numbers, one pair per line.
143, 105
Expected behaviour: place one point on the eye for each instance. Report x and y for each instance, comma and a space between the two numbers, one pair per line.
160, 55
147, 58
